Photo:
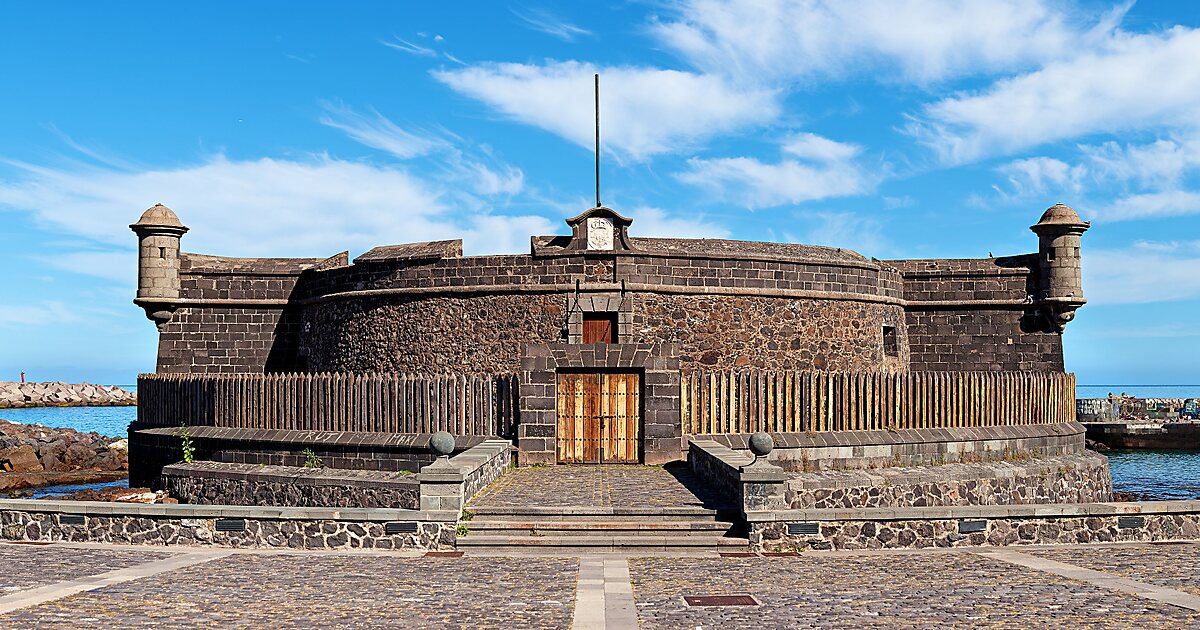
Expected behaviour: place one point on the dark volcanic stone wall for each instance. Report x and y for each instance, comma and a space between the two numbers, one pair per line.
482, 333
207, 340
981, 340
975, 315
771, 333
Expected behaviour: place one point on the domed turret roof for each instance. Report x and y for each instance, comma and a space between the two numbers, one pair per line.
1058, 217
1060, 214
160, 217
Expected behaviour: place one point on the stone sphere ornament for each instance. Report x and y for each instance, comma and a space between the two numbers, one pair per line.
761, 444
442, 443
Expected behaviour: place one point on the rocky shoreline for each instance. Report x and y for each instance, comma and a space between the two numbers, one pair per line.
34, 456
56, 394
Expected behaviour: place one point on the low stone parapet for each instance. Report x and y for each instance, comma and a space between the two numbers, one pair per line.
1081, 478
213, 483
973, 526
848, 450
448, 483
225, 526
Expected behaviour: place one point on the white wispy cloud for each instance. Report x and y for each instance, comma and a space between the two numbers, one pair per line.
847, 230
1146, 272
819, 168
405, 46
1130, 82
1168, 203
374, 130
914, 40
476, 168
649, 221
264, 207
645, 111
546, 22
1041, 175
47, 313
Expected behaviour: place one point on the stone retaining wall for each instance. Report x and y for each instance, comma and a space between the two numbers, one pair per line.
215, 483
843, 450
1080, 478
916, 528
184, 525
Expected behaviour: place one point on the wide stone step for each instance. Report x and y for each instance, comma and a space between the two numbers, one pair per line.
603, 514
501, 542
598, 526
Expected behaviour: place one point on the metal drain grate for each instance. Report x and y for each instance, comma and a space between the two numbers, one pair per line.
720, 600
737, 554
805, 529
70, 519
399, 527
443, 554
780, 554
1131, 522
971, 527
231, 525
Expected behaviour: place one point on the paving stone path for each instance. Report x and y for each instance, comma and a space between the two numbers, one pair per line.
1110, 586
598, 486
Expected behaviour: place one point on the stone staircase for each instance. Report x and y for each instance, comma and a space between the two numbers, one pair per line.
576, 529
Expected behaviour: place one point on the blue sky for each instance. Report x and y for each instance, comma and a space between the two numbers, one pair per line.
898, 128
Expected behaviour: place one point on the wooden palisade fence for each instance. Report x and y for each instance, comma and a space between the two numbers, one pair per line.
745, 401
371, 402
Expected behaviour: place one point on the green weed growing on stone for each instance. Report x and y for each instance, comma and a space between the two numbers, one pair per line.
467, 515
186, 445
310, 459
462, 530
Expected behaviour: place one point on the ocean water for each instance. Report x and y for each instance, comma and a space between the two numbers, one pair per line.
1156, 475
1138, 391
110, 421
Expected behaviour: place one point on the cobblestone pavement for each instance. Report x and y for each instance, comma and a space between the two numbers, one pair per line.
598, 486
275, 590
923, 590
1171, 565
29, 566
880, 589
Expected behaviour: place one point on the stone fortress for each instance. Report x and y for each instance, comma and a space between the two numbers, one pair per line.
882, 382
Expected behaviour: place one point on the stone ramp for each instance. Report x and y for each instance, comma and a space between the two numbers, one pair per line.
601, 508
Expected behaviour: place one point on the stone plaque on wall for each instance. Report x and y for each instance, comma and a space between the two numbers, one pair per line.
600, 233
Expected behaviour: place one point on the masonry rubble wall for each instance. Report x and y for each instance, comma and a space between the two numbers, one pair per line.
1082, 478
989, 526
205, 526
215, 483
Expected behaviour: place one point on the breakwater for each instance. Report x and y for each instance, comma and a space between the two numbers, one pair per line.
56, 394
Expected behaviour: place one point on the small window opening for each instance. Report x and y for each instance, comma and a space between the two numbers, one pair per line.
1050, 254
891, 347
162, 252
599, 328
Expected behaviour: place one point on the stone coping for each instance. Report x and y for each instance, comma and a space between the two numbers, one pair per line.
292, 474
740, 441
593, 511
182, 511
478, 455
324, 438
1063, 510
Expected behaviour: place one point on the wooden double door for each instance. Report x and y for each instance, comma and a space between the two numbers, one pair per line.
599, 418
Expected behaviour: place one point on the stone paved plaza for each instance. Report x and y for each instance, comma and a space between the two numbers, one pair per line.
584, 485
91, 586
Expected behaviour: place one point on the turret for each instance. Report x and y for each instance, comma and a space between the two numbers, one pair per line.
158, 231
1060, 287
